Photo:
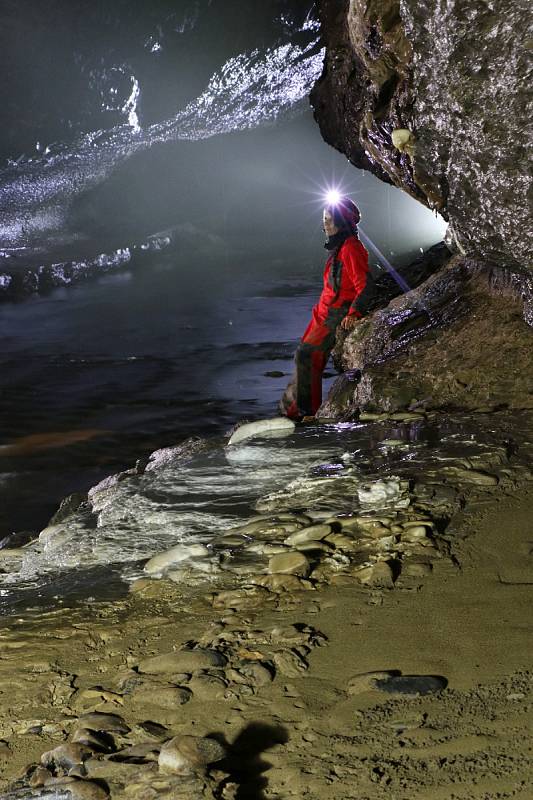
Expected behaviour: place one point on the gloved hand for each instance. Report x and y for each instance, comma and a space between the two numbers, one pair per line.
349, 322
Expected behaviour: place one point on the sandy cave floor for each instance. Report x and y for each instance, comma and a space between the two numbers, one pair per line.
311, 733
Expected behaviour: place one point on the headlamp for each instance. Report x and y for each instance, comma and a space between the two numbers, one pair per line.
332, 197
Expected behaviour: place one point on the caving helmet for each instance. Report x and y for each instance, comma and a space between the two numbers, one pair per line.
345, 213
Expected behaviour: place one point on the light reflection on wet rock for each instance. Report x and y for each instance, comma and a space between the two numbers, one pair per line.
231, 515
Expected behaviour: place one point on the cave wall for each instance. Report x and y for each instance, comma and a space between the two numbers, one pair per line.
434, 97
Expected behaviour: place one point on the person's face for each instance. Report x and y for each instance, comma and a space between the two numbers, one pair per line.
330, 229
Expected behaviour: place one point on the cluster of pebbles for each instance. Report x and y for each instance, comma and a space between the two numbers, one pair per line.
105, 756
337, 524
324, 528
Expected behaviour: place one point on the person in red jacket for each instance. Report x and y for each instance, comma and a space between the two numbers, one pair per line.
347, 290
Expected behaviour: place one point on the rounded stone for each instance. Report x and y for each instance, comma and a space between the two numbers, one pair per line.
415, 533
292, 563
208, 687
281, 582
341, 541
379, 574
163, 697
93, 739
314, 533
96, 721
245, 599
184, 755
66, 756
182, 661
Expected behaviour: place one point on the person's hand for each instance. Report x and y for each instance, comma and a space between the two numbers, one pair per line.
349, 323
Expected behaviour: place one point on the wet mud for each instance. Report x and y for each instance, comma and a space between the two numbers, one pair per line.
359, 632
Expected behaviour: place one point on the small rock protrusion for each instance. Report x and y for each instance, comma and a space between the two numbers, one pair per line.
184, 755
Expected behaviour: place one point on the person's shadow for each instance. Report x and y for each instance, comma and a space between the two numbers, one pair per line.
244, 763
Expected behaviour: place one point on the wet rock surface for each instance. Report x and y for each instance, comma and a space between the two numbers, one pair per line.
247, 679
457, 341
432, 98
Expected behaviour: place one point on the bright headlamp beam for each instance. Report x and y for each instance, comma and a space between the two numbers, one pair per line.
332, 197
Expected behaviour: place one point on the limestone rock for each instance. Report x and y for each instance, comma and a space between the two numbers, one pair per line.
416, 533
290, 663
255, 673
264, 427
293, 563
341, 541
177, 554
245, 599
184, 755
208, 687
39, 777
169, 697
281, 582
379, 575
65, 756
147, 751
313, 533
405, 96
93, 740
182, 661
97, 721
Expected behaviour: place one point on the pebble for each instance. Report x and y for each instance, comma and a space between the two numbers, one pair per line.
208, 687
379, 574
93, 740
97, 721
266, 548
153, 729
246, 599
182, 661
282, 516
341, 542
317, 547
411, 685
149, 751
256, 673
233, 540
314, 533
39, 777
262, 427
66, 756
280, 582
371, 527
290, 663
182, 552
163, 697
416, 533
293, 563
416, 569
184, 755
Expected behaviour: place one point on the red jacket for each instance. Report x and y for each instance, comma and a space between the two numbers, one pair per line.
345, 282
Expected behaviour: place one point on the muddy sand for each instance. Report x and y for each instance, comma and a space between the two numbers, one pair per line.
296, 709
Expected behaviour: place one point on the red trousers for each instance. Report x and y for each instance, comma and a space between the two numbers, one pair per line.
303, 395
